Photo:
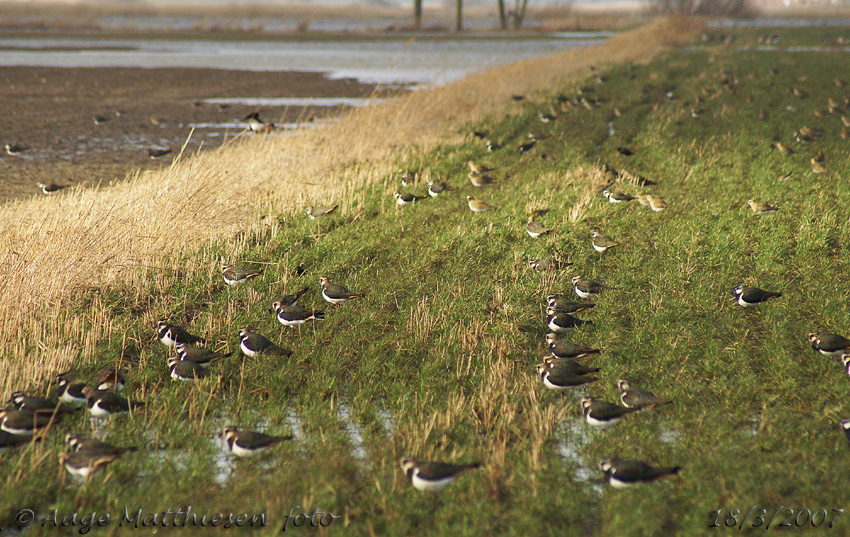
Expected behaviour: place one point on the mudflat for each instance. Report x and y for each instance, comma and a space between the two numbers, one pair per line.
84, 126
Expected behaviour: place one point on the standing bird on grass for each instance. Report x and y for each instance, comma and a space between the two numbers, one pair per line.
750, 297
336, 294
247, 443
622, 473
235, 274
478, 206
171, 334
253, 343
433, 476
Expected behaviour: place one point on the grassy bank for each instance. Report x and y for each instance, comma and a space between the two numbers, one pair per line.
437, 360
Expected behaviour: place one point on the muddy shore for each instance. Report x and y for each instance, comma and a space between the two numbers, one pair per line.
95, 125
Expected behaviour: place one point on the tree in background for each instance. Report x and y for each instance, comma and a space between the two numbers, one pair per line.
515, 16
417, 14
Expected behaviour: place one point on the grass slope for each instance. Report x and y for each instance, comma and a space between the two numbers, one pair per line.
437, 360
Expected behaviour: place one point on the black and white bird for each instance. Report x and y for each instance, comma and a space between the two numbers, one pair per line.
587, 288
22, 401
70, 392
171, 334
84, 464
535, 228
292, 298
635, 397
253, 343
569, 365
602, 414
601, 243
335, 293
51, 188
433, 476
749, 297
548, 264
295, 316
247, 443
829, 344
102, 404
81, 443
406, 198
563, 323
258, 125
235, 274
185, 370
616, 196
26, 422
561, 380
622, 473
561, 348
199, 355
111, 378
435, 189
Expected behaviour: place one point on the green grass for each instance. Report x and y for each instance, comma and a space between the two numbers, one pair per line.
437, 360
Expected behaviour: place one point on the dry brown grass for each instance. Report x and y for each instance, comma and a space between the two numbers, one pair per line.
57, 249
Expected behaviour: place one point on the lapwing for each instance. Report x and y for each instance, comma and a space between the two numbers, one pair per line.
291, 299
479, 168
26, 422
845, 426
22, 401
535, 228
81, 443
563, 323
9, 440
253, 343
561, 380
235, 274
199, 355
634, 397
70, 392
478, 206
526, 147
335, 293
829, 344
749, 297
51, 188
433, 476
622, 473
408, 178
585, 288
170, 335
602, 414
617, 196
481, 179
111, 378
258, 125
565, 305
294, 316
84, 464
406, 198
548, 263
247, 443
103, 404
761, 207
185, 370
493, 146
561, 348
601, 242
435, 189
319, 211
158, 152
15, 149
569, 365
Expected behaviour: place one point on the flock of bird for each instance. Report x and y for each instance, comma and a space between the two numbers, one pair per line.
559, 371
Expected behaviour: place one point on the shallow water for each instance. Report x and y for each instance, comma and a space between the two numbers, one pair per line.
378, 61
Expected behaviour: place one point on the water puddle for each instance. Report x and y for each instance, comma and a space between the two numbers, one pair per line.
575, 436
296, 101
355, 435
